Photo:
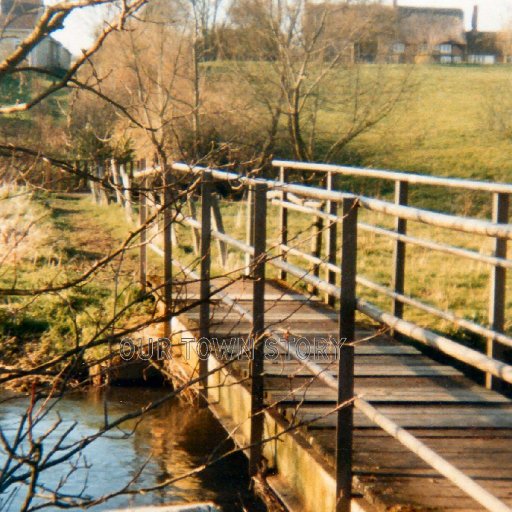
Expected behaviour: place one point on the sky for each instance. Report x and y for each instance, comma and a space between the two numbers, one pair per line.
493, 14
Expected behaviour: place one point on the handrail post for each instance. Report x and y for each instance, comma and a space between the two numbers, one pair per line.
332, 209
143, 258
401, 199
316, 249
204, 307
346, 356
283, 220
500, 214
219, 226
249, 228
167, 195
258, 327
194, 231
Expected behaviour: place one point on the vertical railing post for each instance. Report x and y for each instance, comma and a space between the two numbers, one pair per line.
346, 356
283, 221
316, 249
194, 231
332, 209
249, 231
401, 198
218, 225
204, 308
143, 209
167, 224
258, 327
500, 209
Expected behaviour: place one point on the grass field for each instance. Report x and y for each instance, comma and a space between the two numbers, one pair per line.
447, 126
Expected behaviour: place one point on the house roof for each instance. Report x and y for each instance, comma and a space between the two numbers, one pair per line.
19, 14
417, 25
483, 43
410, 25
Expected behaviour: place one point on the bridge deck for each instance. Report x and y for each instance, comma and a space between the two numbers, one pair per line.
466, 424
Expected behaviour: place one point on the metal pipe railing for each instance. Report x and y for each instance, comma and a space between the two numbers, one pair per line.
413, 179
442, 220
434, 460
347, 294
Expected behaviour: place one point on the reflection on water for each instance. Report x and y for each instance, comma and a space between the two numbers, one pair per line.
175, 438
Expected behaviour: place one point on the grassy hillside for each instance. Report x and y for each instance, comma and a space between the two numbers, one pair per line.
447, 127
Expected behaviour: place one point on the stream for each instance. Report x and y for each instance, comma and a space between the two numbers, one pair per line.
170, 441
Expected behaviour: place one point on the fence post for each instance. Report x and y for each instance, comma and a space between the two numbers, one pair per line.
76, 182
249, 231
204, 308
143, 210
127, 194
346, 356
332, 209
167, 195
101, 188
258, 327
92, 185
401, 198
283, 221
500, 207
219, 226
117, 182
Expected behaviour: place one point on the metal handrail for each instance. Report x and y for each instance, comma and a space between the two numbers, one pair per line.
432, 458
411, 178
445, 345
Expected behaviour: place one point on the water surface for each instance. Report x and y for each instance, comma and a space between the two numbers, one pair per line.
171, 441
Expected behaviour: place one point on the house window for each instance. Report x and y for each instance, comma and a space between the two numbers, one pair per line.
445, 59
444, 48
482, 59
398, 48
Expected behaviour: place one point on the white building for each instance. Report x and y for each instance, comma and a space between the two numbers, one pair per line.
17, 20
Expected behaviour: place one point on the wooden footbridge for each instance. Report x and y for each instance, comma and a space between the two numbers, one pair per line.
340, 404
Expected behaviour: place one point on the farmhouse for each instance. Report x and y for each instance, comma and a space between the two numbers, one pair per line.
402, 34
428, 35
17, 20
487, 47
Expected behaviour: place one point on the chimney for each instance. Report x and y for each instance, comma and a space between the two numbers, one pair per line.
395, 3
474, 21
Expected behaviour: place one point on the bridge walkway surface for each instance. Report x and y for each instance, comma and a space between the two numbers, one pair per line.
468, 425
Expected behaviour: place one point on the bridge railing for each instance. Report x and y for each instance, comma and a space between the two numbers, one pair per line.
341, 208
500, 194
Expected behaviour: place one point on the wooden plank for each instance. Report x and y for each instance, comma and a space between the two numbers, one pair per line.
384, 395
415, 417
369, 370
